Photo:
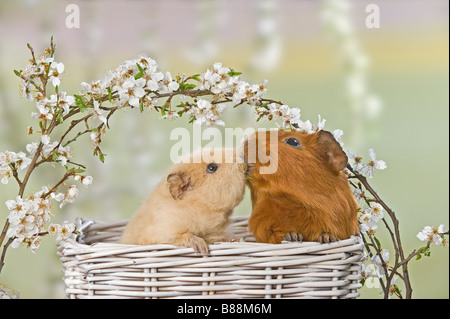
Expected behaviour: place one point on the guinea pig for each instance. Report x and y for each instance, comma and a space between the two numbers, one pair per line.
307, 197
191, 206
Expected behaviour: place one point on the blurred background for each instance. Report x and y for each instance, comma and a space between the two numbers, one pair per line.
386, 87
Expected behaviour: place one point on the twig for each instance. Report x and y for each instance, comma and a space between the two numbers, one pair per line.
2, 258
395, 235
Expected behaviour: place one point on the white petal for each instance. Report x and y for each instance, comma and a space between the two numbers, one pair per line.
372, 154
380, 165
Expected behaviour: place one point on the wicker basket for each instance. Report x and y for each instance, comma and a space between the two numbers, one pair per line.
96, 266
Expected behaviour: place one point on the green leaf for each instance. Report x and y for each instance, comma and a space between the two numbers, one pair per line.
164, 108
101, 157
141, 107
234, 73
109, 93
189, 86
186, 86
419, 256
377, 242
17, 73
140, 68
140, 74
80, 170
80, 102
196, 77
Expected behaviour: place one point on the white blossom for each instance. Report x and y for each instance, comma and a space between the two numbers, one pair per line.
64, 102
62, 154
357, 160
131, 91
7, 158
8, 293
310, 128
56, 69
35, 243
95, 138
27, 218
53, 229
45, 139
170, 115
380, 262
337, 134
374, 164
368, 225
206, 113
87, 180
376, 211
167, 84
95, 88
215, 78
22, 160
46, 108
5, 174
359, 194
69, 197
65, 230
99, 113
433, 234
32, 72
32, 148
370, 217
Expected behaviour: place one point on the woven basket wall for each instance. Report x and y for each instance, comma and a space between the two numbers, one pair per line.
96, 266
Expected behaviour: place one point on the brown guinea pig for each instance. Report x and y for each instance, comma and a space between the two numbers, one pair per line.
307, 197
192, 204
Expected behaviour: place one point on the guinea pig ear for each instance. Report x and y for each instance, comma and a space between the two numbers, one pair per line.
336, 156
179, 184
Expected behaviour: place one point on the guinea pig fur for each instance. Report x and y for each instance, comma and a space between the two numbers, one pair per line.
308, 197
192, 204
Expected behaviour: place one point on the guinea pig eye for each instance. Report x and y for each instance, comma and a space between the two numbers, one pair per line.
292, 141
212, 168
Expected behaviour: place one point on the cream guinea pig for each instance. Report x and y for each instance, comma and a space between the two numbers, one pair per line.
191, 206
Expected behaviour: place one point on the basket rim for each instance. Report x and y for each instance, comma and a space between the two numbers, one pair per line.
72, 245
236, 269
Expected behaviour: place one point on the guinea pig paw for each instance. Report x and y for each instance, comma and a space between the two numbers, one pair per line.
325, 238
293, 237
199, 245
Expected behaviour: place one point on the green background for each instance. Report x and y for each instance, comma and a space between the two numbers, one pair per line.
408, 72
